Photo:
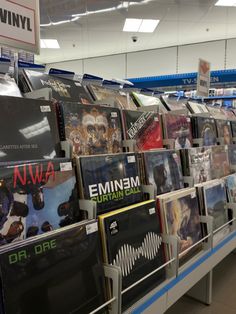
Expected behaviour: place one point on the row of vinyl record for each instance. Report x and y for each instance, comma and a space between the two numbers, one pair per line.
39, 126
36, 273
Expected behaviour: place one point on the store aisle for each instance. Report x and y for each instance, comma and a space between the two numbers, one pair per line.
224, 293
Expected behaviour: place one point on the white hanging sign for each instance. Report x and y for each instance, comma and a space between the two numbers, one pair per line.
19, 24
204, 78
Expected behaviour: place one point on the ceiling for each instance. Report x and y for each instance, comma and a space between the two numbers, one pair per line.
97, 28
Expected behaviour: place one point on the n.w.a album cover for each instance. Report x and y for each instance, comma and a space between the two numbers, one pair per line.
112, 181
178, 129
35, 198
230, 184
62, 89
205, 128
224, 131
180, 214
144, 128
163, 170
197, 163
131, 239
57, 273
28, 129
220, 161
92, 129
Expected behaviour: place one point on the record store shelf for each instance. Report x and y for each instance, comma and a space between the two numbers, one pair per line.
194, 278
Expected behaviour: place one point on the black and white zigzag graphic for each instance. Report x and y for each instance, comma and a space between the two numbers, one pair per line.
128, 255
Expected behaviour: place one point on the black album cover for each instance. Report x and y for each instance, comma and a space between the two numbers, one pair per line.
57, 273
163, 170
62, 89
92, 129
131, 239
144, 128
36, 197
205, 128
8, 87
233, 128
224, 131
112, 181
28, 129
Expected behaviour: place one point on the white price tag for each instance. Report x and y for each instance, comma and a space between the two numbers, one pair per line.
193, 194
156, 119
92, 228
66, 166
188, 119
114, 114
45, 108
77, 84
131, 159
152, 211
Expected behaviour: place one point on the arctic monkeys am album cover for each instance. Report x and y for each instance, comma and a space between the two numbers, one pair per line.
144, 128
112, 181
62, 89
132, 240
57, 273
35, 198
163, 170
92, 129
28, 129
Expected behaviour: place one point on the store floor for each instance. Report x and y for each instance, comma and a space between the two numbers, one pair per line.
223, 294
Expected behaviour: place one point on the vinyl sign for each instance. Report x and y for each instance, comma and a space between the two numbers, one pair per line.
204, 78
19, 24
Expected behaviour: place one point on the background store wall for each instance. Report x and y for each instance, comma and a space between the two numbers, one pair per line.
170, 60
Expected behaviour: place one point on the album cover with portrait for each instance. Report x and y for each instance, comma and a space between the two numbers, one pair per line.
220, 161
205, 128
224, 131
132, 240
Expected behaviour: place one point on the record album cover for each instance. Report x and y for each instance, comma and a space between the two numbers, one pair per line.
8, 87
132, 240
178, 128
121, 100
163, 170
36, 197
144, 128
180, 214
28, 129
216, 112
62, 89
205, 128
196, 108
57, 273
197, 163
92, 129
112, 181
224, 131
230, 184
220, 161
144, 100
233, 128
173, 103
232, 157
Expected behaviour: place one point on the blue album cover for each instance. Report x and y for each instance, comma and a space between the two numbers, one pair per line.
163, 170
112, 181
230, 184
35, 198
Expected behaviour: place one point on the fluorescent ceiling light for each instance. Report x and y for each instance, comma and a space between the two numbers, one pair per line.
226, 3
140, 25
49, 43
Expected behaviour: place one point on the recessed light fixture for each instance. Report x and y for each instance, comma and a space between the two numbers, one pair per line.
49, 43
226, 3
140, 25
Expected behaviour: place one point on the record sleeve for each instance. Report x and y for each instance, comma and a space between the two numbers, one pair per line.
91, 129
180, 218
121, 100
220, 161
230, 184
196, 163
132, 240
215, 205
205, 128
144, 128
224, 130
57, 273
62, 89
144, 100
28, 129
178, 129
163, 170
228, 114
216, 112
233, 128
196, 108
36, 197
112, 181
8, 87
173, 103
232, 157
